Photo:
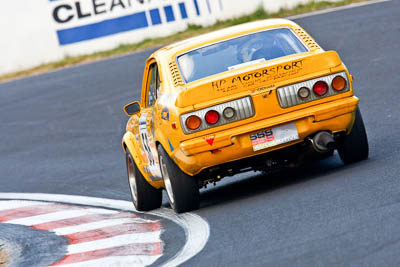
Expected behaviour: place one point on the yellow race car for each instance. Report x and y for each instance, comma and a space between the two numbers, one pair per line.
258, 96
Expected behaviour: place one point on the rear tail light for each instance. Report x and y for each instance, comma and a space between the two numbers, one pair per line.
212, 117
339, 83
303, 92
217, 115
320, 88
193, 122
229, 113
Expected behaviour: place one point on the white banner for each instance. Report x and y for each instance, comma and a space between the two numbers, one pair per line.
34, 32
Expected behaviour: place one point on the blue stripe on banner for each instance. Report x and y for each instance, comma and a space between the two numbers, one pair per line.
182, 8
208, 6
169, 13
104, 28
155, 16
196, 5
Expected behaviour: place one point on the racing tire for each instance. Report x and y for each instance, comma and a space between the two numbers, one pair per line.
182, 189
144, 196
355, 145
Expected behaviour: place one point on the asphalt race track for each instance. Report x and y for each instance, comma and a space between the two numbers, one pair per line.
61, 132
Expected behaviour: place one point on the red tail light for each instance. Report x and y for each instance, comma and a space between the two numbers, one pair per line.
212, 117
320, 88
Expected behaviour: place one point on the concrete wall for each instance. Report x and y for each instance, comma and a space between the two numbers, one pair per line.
34, 32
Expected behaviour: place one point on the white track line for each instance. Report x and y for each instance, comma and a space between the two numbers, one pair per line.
199, 232
333, 9
15, 204
95, 225
116, 241
70, 199
58, 215
196, 229
116, 261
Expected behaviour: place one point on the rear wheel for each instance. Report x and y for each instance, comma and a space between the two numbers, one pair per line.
355, 145
144, 196
182, 189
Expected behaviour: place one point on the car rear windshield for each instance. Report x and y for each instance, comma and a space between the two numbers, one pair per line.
238, 52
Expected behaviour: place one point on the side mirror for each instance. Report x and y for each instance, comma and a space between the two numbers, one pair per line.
132, 108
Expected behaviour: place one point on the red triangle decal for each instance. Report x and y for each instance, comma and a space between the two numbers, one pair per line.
210, 140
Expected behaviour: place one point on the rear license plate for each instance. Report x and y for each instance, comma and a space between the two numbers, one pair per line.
275, 136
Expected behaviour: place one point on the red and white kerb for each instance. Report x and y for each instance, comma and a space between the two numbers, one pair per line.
97, 236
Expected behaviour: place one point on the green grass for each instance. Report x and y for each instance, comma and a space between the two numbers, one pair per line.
191, 31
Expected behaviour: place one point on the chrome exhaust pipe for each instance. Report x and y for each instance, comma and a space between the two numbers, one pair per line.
323, 142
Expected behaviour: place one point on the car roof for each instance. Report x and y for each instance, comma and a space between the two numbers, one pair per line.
208, 38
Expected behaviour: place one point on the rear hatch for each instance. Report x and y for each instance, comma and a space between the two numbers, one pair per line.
280, 71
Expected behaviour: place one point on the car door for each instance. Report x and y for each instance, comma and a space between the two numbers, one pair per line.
146, 123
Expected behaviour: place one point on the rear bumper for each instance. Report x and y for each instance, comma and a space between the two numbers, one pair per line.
197, 154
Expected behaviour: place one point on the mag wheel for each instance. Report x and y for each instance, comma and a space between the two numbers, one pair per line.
144, 196
355, 145
182, 189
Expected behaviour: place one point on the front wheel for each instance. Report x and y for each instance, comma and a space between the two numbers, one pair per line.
355, 145
182, 189
144, 196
